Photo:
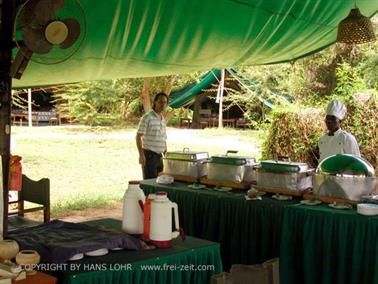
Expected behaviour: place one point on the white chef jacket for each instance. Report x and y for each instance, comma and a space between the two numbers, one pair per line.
341, 142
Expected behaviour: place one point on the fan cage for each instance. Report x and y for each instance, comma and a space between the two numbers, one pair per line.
65, 54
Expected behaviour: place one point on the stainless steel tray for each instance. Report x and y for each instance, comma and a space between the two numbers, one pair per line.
294, 181
350, 187
196, 169
231, 173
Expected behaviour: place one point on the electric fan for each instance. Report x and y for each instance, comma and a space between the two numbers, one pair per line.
47, 32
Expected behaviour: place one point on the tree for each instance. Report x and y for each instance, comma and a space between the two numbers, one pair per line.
145, 94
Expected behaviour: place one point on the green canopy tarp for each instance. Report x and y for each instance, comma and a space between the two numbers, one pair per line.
187, 94
125, 38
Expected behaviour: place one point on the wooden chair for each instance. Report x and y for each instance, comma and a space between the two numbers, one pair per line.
185, 122
242, 123
36, 192
204, 115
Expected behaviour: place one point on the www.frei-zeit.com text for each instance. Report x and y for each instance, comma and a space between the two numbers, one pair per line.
118, 267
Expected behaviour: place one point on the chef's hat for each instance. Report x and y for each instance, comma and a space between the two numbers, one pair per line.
336, 108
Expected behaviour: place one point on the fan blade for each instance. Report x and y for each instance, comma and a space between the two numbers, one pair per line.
27, 13
57, 4
45, 9
73, 33
35, 40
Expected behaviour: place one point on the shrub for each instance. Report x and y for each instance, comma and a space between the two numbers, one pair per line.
362, 121
295, 132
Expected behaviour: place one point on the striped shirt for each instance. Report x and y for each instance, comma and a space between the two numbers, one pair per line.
154, 132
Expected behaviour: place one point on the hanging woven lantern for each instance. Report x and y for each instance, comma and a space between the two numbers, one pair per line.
355, 29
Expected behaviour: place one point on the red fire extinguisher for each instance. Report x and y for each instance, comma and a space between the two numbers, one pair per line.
15, 173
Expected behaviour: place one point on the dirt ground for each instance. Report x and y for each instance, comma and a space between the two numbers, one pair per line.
114, 212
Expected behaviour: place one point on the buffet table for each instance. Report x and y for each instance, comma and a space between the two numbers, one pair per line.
324, 245
316, 244
249, 232
190, 261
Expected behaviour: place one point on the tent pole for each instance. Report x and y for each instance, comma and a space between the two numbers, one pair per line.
30, 108
6, 30
221, 88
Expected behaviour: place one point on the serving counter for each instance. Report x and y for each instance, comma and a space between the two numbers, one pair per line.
248, 231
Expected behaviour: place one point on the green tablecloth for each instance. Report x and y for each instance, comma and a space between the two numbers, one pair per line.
190, 261
328, 246
249, 232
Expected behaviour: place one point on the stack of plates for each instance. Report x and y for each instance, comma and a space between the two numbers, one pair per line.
340, 206
196, 186
165, 179
367, 209
97, 252
222, 188
77, 256
311, 202
282, 197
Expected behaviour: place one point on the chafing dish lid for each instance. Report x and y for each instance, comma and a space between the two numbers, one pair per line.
232, 160
345, 164
186, 155
283, 166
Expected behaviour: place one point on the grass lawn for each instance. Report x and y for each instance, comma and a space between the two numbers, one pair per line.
90, 167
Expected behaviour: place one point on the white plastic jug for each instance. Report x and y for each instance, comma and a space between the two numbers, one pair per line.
133, 203
161, 232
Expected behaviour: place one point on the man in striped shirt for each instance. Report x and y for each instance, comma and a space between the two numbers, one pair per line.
152, 136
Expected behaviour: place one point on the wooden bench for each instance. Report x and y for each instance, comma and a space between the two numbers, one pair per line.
22, 117
51, 117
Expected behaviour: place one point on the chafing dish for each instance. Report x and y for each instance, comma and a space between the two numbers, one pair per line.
291, 176
185, 163
231, 168
345, 176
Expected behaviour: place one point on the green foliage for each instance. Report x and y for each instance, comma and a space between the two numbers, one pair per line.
337, 70
112, 102
348, 81
264, 85
18, 100
294, 133
178, 114
362, 121
270, 82
369, 69
97, 102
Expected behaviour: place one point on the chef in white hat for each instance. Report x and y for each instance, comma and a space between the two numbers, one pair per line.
336, 141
